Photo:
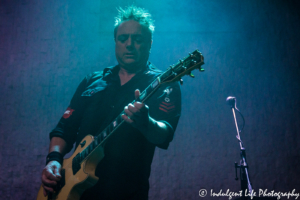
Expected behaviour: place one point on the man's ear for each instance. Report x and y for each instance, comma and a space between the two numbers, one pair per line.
150, 46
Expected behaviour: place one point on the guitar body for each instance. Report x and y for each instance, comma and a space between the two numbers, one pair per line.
73, 185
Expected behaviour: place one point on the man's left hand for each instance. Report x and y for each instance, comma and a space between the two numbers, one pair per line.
137, 114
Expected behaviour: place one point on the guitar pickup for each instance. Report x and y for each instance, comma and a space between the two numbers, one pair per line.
76, 164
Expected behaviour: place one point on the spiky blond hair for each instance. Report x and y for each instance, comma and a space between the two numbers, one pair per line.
137, 14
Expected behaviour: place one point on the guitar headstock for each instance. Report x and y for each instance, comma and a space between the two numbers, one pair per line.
183, 67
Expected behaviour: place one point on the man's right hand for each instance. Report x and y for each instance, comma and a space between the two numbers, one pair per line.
50, 176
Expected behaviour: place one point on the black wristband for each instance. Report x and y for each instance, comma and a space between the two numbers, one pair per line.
54, 155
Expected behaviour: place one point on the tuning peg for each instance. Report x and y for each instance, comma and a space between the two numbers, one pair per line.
191, 75
201, 70
181, 82
171, 67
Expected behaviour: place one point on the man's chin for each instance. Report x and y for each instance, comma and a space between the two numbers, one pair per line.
133, 65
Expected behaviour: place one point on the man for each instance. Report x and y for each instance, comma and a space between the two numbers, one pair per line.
124, 171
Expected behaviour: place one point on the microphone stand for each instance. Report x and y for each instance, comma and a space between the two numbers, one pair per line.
244, 175
243, 166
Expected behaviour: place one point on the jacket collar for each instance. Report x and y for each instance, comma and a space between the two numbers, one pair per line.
114, 70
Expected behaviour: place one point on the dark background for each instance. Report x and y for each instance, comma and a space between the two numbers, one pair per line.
251, 51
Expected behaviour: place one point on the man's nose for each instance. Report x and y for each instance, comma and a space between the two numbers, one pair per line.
129, 42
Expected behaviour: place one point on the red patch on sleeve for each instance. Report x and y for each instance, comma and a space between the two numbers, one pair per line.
68, 113
166, 107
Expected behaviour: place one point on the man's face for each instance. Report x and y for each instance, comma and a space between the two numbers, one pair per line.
133, 43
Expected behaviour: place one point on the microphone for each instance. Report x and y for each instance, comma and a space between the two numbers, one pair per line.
231, 101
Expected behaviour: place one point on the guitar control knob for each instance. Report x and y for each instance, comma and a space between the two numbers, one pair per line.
181, 82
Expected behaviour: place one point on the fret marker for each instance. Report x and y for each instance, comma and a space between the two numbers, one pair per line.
104, 134
115, 123
142, 96
155, 84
